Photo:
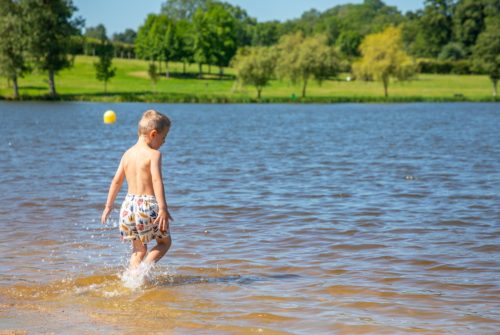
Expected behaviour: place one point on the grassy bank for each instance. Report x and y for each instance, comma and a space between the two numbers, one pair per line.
131, 83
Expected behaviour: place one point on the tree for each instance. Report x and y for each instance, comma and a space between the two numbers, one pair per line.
153, 75
266, 33
244, 24
12, 51
170, 44
348, 43
301, 59
50, 28
201, 40
93, 37
222, 36
383, 58
128, 36
103, 68
486, 54
143, 43
368, 17
156, 38
432, 29
255, 66
183, 9
185, 43
452, 51
469, 19
98, 32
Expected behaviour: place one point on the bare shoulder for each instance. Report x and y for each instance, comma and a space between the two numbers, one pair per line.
154, 155
127, 153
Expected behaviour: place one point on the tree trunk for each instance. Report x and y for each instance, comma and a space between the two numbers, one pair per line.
52, 84
167, 72
15, 86
304, 89
258, 92
495, 87
386, 85
200, 71
221, 72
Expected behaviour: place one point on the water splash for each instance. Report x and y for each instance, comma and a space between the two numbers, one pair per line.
134, 278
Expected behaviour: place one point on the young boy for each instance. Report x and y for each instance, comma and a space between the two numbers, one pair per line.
144, 214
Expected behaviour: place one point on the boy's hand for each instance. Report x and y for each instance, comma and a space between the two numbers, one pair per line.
163, 220
105, 214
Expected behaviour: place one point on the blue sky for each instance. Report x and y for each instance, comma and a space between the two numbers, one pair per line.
117, 15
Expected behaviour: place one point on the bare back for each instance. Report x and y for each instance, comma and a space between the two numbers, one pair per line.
137, 165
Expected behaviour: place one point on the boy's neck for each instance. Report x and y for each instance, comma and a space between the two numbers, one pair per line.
144, 141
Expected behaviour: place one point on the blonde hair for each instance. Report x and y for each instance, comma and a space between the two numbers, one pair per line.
153, 120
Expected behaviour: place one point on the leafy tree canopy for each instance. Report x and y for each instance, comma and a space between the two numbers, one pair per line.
104, 69
255, 66
487, 51
50, 25
369, 17
128, 36
452, 51
383, 58
98, 32
12, 44
182, 9
302, 58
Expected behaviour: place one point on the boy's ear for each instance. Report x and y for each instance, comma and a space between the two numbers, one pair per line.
153, 133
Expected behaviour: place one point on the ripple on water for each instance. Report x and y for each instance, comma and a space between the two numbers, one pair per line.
300, 219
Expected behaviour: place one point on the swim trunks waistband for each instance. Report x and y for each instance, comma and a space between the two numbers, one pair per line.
143, 196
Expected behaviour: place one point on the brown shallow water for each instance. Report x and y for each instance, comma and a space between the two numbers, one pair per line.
290, 219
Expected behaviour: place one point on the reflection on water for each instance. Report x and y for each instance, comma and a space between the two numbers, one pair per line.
317, 219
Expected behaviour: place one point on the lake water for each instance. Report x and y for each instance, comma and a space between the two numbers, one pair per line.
289, 219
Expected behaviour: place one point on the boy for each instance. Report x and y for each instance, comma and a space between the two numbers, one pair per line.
144, 214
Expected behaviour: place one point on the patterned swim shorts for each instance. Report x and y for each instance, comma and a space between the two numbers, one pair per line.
137, 216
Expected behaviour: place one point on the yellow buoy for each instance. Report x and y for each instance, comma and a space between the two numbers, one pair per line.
109, 117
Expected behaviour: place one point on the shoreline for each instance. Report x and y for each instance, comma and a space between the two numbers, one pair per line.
207, 99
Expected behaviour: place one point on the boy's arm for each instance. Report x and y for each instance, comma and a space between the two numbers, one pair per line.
156, 176
114, 188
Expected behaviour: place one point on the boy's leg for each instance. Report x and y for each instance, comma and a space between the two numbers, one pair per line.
138, 253
160, 250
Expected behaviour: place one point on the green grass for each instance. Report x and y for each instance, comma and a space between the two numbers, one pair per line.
131, 83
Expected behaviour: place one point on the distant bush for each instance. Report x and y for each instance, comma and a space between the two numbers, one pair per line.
445, 67
452, 51
80, 45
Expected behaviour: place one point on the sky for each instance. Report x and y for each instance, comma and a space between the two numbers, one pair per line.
118, 15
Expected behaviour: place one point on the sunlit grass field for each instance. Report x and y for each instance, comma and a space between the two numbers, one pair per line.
131, 83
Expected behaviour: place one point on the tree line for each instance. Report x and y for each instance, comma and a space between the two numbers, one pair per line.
371, 40
445, 35
36, 34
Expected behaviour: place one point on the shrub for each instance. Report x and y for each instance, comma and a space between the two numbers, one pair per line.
445, 67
